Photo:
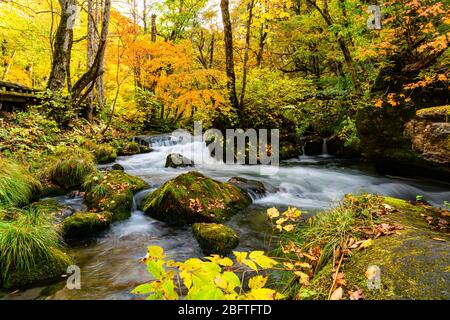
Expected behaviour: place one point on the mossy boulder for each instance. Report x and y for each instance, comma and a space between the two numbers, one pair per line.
118, 167
192, 197
215, 238
44, 272
85, 224
112, 191
414, 262
253, 187
104, 153
132, 148
70, 167
176, 160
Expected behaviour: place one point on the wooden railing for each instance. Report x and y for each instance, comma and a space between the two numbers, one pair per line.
14, 95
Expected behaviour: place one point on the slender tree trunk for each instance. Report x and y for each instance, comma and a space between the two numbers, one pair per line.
262, 43
247, 49
154, 28
8, 67
91, 45
344, 48
211, 51
228, 34
62, 45
88, 80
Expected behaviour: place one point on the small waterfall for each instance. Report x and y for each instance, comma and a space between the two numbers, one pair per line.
325, 147
303, 144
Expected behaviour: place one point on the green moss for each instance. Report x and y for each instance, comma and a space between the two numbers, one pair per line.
43, 273
70, 167
104, 153
53, 209
436, 114
215, 238
112, 191
83, 224
192, 197
412, 264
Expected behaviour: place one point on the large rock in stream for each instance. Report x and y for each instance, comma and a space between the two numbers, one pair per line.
192, 197
429, 132
215, 238
176, 160
253, 187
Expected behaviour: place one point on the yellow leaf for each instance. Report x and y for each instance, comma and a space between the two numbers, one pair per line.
257, 282
365, 244
273, 213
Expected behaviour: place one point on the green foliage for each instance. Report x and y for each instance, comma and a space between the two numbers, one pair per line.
349, 133
57, 107
268, 91
17, 186
71, 166
210, 279
27, 242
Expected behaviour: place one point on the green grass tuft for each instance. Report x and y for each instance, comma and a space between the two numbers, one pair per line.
28, 242
17, 186
71, 166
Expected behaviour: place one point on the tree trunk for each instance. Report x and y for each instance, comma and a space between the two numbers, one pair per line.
211, 51
228, 34
247, 49
62, 45
344, 48
153, 27
88, 80
91, 44
262, 43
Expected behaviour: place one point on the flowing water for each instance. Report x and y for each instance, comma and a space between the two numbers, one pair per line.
110, 265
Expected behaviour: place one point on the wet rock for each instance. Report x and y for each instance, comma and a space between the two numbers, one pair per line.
430, 135
118, 167
85, 224
192, 197
176, 160
252, 187
215, 238
53, 208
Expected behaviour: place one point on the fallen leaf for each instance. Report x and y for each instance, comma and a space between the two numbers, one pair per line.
367, 243
439, 239
356, 295
337, 294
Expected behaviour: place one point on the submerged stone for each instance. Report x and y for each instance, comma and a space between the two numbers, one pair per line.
192, 197
215, 238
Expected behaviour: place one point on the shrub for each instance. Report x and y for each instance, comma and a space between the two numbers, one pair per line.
17, 186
